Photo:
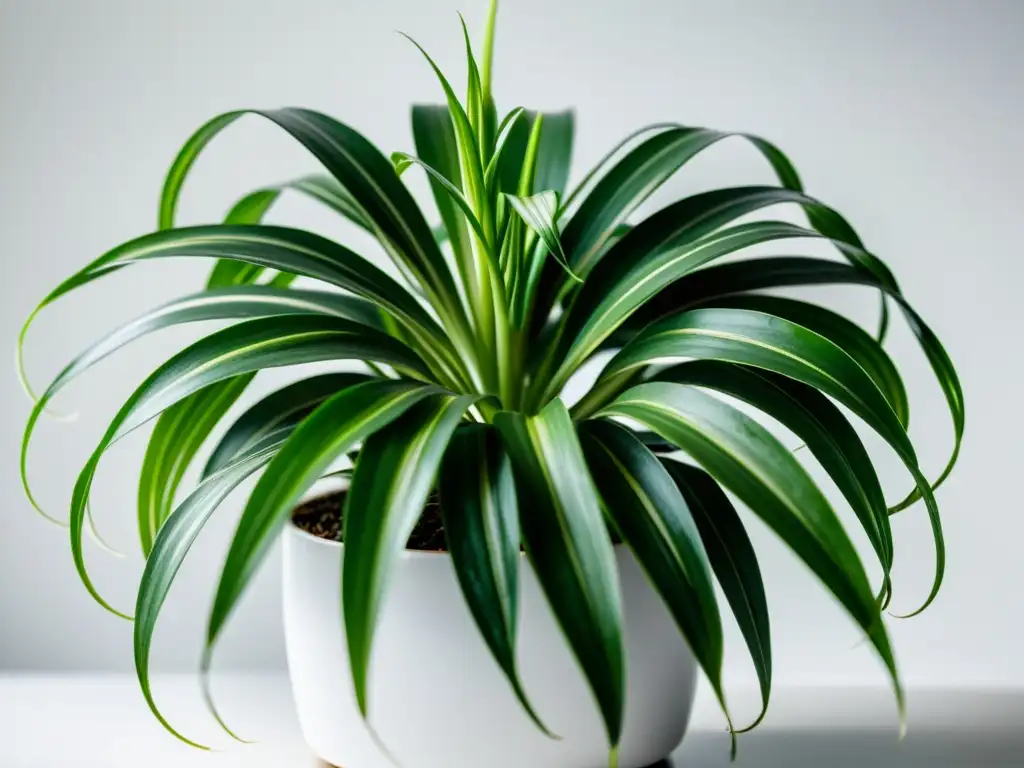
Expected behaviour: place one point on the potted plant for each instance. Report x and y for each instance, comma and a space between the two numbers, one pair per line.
581, 539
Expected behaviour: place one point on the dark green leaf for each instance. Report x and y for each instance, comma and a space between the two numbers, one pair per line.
745, 458
282, 408
764, 341
734, 561
779, 272
171, 547
244, 348
651, 516
570, 549
390, 485
481, 524
337, 425
821, 426
435, 143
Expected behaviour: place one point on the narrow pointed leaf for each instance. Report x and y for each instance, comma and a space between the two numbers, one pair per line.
821, 426
253, 207
570, 549
328, 433
651, 516
436, 144
171, 547
754, 338
734, 562
481, 524
244, 348
283, 408
708, 284
361, 169
403, 160
392, 479
850, 337
745, 458
539, 212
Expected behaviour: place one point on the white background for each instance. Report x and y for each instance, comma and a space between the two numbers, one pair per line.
905, 115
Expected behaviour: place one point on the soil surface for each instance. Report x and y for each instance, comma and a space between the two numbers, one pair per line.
322, 517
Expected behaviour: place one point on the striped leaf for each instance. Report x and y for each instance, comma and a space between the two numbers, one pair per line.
436, 144
253, 207
651, 516
392, 479
821, 426
570, 549
481, 524
539, 212
172, 544
403, 160
283, 408
734, 562
244, 348
361, 169
337, 425
764, 341
745, 458
707, 285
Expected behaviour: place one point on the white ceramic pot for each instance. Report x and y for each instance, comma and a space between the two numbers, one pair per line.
437, 698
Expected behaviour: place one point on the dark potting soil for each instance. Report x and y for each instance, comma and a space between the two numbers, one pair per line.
322, 517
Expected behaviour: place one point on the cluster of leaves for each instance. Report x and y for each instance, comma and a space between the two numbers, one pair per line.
468, 350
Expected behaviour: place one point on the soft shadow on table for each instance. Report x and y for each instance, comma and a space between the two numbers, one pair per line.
848, 748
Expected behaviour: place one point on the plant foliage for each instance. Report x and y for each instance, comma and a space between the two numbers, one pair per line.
523, 283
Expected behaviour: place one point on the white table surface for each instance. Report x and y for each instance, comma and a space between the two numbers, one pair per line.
102, 721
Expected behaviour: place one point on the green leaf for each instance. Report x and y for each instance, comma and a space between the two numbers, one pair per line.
236, 302
171, 547
554, 156
481, 524
392, 478
362, 170
735, 565
775, 344
253, 207
177, 436
821, 426
244, 348
289, 250
554, 153
651, 516
403, 160
850, 337
329, 432
645, 168
745, 458
282, 408
570, 549
436, 144
781, 272
538, 211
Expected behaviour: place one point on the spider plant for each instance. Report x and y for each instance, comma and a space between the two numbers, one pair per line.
470, 342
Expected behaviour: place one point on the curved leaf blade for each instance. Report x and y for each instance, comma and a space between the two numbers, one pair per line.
481, 523
282, 408
734, 562
332, 429
244, 348
764, 341
652, 517
570, 549
171, 547
392, 479
821, 426
745, 458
